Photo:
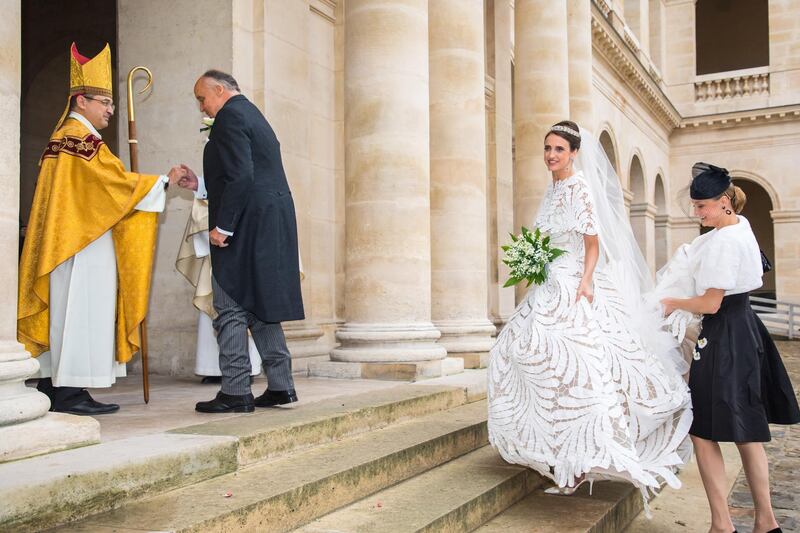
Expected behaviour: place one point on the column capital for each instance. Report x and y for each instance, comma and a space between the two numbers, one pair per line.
627, 196
684, 223
644, 209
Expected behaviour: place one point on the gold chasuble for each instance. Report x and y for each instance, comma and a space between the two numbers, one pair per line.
83, 191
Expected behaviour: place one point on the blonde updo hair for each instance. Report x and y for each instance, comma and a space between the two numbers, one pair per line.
737, 197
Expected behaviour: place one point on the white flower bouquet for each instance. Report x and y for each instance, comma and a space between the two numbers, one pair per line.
208, 122
528, 256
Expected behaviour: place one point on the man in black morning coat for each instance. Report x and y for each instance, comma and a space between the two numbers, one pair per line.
254, 256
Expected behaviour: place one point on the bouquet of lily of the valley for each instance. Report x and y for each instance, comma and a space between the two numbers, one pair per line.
528, 256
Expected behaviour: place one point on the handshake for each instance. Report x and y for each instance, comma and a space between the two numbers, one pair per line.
183, 176
186, 178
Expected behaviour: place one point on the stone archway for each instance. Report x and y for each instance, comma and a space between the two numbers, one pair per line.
642, 215
662, 233
757, 211
607, 143
48, 29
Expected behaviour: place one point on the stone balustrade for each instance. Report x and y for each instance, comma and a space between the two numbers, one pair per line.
745, 84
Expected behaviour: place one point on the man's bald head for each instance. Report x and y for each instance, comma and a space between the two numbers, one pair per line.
213, 89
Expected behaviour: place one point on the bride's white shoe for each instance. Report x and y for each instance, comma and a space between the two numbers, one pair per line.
569, 491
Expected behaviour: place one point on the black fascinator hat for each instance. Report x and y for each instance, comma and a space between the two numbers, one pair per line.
708, 181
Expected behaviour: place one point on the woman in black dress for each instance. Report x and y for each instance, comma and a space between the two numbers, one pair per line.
737, 380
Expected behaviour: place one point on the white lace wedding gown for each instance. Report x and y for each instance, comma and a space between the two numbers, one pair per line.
572, 390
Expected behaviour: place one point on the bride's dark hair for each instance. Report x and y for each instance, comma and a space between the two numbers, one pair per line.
573, 140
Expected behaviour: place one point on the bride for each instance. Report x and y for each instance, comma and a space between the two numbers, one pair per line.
584, 384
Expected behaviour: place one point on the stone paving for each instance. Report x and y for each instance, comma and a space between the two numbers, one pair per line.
784, 465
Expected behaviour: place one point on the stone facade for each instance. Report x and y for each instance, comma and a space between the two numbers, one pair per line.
411, 133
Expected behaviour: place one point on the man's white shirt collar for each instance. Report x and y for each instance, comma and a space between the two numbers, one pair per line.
85, 121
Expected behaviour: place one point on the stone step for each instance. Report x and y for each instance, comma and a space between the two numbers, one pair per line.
271, 432
457, 496
612, 506
287, 492
43, 491
62, 487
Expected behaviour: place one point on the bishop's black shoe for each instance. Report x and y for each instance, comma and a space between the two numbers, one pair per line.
274, 398
227, 403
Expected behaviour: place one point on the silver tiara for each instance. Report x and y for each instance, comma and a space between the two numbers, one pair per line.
565, 129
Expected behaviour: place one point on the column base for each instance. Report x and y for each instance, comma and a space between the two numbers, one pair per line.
468, 340
18, 403
390, 371
53, 432
306, 344
473, 360
388, 343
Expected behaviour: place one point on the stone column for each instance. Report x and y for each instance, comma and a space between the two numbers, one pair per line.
388, 331
458, 179
787, 254
643, 222
541, 98
500, 157
579, 41
26, 428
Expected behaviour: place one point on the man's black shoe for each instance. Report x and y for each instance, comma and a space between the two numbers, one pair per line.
227, 403
273, 398
88, 407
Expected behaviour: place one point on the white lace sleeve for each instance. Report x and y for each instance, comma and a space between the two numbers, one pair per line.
583, 209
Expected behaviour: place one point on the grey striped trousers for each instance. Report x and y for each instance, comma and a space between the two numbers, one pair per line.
232, 323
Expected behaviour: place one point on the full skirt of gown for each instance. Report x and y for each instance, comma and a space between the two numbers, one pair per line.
573, 390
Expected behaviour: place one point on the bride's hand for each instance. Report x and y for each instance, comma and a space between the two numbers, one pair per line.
669, 306
585, 290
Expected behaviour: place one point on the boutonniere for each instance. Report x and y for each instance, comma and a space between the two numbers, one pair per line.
208, 122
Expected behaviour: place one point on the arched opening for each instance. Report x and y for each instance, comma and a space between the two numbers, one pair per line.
608, 148
747, 20
662, 244
48, 29
757, 212
642, 215
637, 186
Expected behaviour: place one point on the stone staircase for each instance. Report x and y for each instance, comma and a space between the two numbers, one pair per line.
409, 458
